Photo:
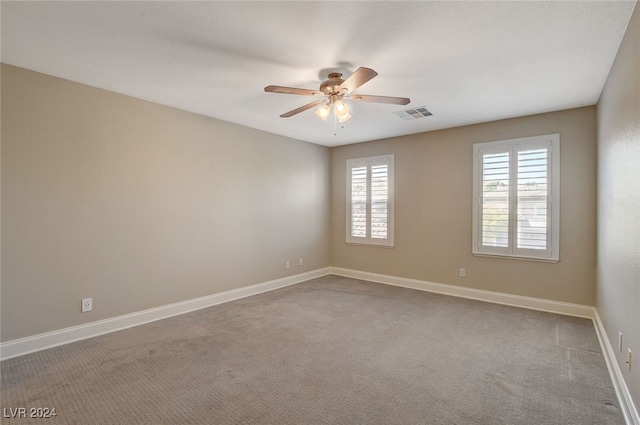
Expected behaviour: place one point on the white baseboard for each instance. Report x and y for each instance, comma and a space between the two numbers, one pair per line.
531, 303
629, 411
19, 347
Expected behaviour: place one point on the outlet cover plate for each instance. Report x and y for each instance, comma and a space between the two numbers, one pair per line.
87, 304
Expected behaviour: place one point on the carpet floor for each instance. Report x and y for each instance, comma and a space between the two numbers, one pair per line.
331, 350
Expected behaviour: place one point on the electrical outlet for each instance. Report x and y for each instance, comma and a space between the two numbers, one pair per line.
287, 265
629, 358
87, 304
620, 341
300, 261
462, 272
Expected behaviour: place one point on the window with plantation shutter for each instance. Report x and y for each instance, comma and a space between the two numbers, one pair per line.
516, 198
370, 200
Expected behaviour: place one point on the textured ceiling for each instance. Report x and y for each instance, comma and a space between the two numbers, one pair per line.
467, 62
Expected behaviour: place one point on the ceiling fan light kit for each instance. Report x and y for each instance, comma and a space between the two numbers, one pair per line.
336, 89
323, 111
344, 118
341, 108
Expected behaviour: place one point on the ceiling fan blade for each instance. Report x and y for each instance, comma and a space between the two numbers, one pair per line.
292, 90
358, 78
381, 99
301, 109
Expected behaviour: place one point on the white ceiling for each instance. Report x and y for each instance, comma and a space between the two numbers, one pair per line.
467, 62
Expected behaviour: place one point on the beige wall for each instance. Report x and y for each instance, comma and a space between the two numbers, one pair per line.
618, 271
139, 205
433, 214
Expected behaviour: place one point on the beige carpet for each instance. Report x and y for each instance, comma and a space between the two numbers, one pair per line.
328, 351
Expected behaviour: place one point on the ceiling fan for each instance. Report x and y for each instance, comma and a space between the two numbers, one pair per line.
334, 90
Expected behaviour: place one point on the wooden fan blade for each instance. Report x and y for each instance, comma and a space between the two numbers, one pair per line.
381, 99
302, 109
358, 78
292, 90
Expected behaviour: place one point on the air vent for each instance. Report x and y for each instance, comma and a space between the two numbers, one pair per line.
414, 113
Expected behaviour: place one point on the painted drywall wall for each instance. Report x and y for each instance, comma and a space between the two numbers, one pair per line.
138, 205
618, 267
433, 210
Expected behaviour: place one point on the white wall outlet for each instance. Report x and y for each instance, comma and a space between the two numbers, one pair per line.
462, 272
620, 341
287, 264
87, 304
629, 358
300, 261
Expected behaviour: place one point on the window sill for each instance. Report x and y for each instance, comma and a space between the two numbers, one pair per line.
517, 257
369, 244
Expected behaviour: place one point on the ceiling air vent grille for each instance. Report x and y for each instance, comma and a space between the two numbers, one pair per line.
414, 113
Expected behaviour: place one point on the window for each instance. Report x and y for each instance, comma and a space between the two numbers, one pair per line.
370, 200
516, 190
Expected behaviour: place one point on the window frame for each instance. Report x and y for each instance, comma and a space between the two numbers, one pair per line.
513, 146
368, 162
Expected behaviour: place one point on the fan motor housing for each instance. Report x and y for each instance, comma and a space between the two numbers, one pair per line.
332, 85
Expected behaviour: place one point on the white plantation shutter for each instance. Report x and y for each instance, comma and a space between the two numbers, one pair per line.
359, 202
370, 200
495, 199
516, 198
379, 201
533, 199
